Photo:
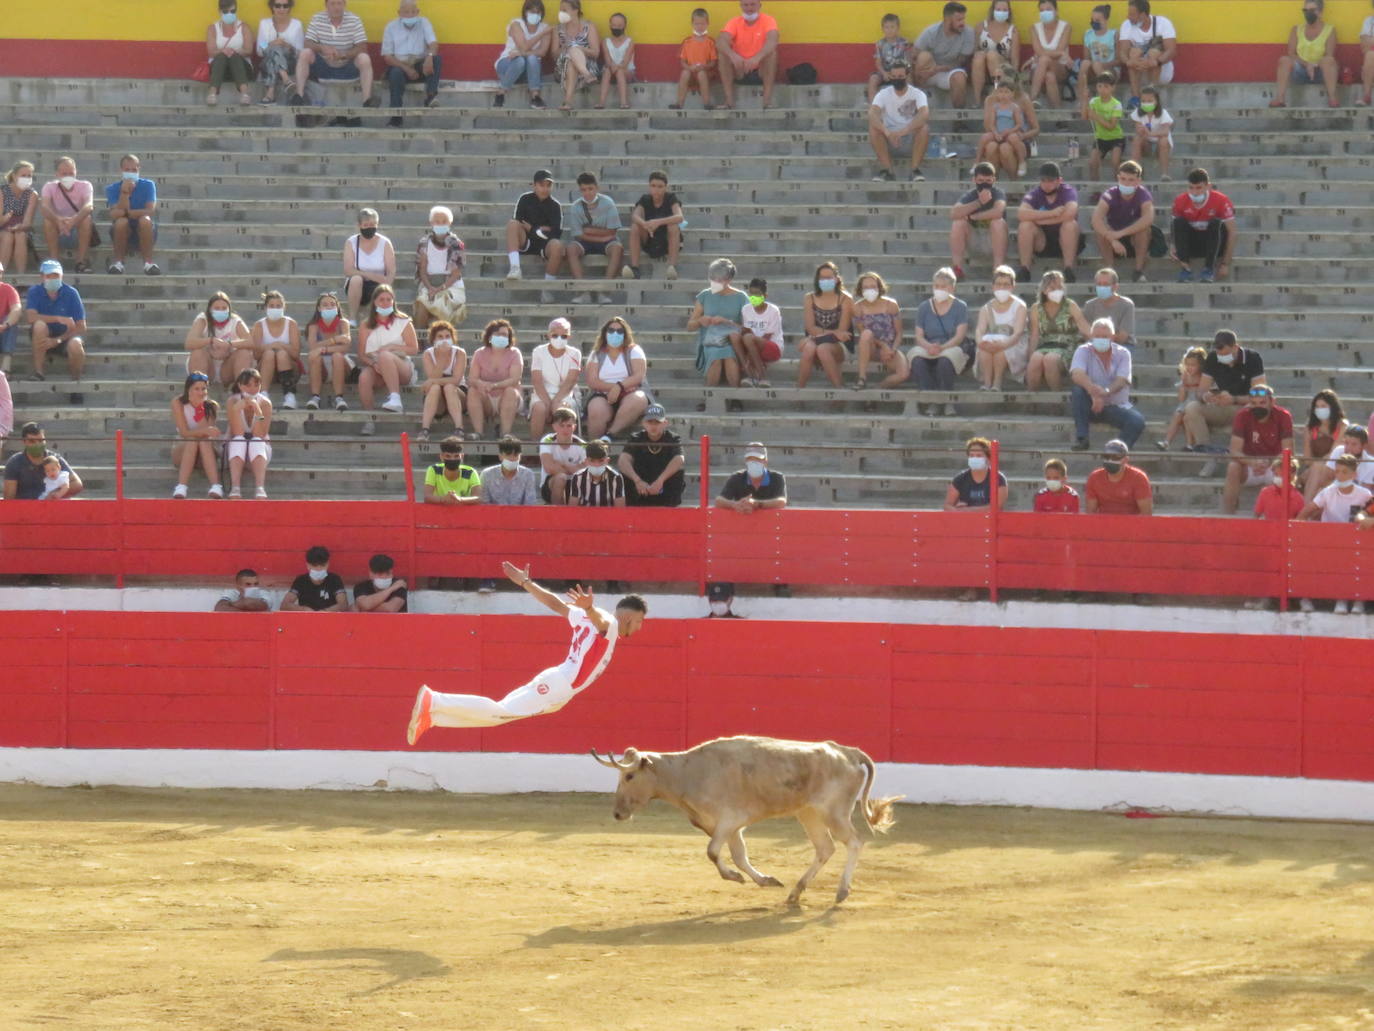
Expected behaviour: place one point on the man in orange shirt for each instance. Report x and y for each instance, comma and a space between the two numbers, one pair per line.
748, 49
1118, 488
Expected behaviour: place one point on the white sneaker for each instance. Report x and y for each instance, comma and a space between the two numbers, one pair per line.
1306, 605
1342, 608
289, 401
116, 268
515, 273
261, 492
340, 405
179, 491
313, 403
670, 273
1357, 608
393, 404
215, 491
235, 493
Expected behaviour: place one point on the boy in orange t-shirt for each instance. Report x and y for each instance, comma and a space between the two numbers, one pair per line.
698, 57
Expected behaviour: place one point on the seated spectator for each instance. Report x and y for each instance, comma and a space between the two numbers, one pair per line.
719, 597
494, 376
652, 463
382, 591
1099, 54
450, 482
1105, 115
899, 122
827, 314
219, 344
1326, 424
1343, 501
25, 473
942, 346
281, 38
1047, 224
699, 60
1228, 373
1204, 227
369, 261
998, 47
1190, 389
596, 484
1271, 503
1355, 442
439, 288
68, 206
1118, 488
1004, 123
616, 372
878, 322
1057, 329
57, 481
508, 482
555, 368
1123, 218
246, 595
386, 351
748, 52
335, 51
11, 311
1366, 97
131, 204
1101, 374
1146, 46
755, 486
981, 209
1000, 336
594, 228
198, 435
1051, 65
715, 317
892, 49
536, 227
972, 486
250, 424
329, 342
1028, 111
528, 39
1261, 432
759, 342
1108, 303
229, 47
617, 62
57, 322
18, 204
1056, 495
942, 51
6, 409
317, 589
562, 454
1154, 129
1311, 57
578, 47
656, 227
445, 365
410, 51
276, 348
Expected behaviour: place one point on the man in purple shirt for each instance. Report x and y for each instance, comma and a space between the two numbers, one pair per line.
1101, 374
1047, 224
1123, 218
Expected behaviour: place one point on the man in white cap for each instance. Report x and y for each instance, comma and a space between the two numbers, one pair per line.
57, 319
755, 486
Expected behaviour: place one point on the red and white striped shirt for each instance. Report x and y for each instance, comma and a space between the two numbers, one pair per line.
590, 652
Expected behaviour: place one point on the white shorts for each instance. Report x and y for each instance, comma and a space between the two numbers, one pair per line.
1257, 472
943, 79
248, 450
216, 368
327, 360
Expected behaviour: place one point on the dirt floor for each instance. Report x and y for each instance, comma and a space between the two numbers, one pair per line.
267, 911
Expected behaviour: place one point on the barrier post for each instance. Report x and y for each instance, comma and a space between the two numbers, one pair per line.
994, 508
1284, 574
119, 507
413, 515
705, 511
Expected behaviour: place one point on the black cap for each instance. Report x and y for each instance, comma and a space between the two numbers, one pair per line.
543, 176
720, 591
1049, 170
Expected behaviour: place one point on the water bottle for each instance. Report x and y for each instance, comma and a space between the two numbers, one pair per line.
1073, 149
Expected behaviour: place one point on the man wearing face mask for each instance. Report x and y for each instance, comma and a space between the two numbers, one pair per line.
450, 482
1229, 373
1260, 432
898, 121
132, 204
317, 589
983, 208
719, 597
24, 471
1204, 227
509, 482
1108, 303
1123, 218
382, 591
1118, 488
1101, 373
597, 485
57, 321
755, 486
246, 595
747, 52
1047, 224
410, 51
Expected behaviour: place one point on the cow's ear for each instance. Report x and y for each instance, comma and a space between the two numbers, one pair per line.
644, 763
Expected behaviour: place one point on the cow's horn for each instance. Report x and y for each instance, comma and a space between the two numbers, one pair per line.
608, 761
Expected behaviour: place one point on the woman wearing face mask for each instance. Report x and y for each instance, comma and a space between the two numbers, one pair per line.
193, 416
878, 320
971, 487
827, 313
1001, 332
219, 343
1051, 65
1311, 57
281, 38
1326, 424
329, 339
1154, 129
941, 332
578, 43
276, 343
1099, 54
250, 421
229, 47
714, 317
439, 289
445, 364
528, 39
1057, 327
555, 368
369, 261
386, 351
616, 372
494, 379
999, 46
18, 204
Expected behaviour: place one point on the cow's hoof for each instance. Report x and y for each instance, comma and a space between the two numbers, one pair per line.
770, 882
794, 899
733, 875
841, 895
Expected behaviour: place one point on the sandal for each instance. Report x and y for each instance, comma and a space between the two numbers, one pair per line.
860, 384
83, 266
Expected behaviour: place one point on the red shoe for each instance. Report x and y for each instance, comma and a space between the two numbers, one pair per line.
419, 716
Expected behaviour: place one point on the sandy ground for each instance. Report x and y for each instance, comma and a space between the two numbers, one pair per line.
267, 911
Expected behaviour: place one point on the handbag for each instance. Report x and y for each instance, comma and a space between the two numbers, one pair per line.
201, 72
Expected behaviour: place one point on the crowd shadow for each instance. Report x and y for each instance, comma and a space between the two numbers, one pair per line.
724, 927
401, 965
1358, 980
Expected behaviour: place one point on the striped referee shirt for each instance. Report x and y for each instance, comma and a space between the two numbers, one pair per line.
596, 492
349, 33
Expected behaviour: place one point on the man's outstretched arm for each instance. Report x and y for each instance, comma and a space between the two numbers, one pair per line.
521, 578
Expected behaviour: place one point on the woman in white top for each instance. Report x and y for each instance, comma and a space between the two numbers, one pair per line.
1050, 38
280, 41
369, 261
528, 39
445, 364
1001, 332
386, 350
999, 46
277, 347
617, 63
218, 342
228, 46
193, 415
615, 374
555, 367
250, 420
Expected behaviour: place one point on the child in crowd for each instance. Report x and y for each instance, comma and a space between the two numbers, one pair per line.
617, 62
1189, 389
1154, 128
1056, 495
698, 59
56, 480
1099, 51
1269, 504
1343, 501
1104, 115
893, 47
758, 344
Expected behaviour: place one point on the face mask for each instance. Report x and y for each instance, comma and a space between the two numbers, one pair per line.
719, 608
510, 464
410, 23
1127, 191
1227, 359
1054, 485
1098, 26
1323, 413
982, 184
1001, 15
617, 32
439, 231
1279, 481
1146, 108
52, 285
384, 312
1102, 344
1047, 16
564, 17
755, 469
1310, 16
328, 314
68, 181
699, 34
977, 463
443, 341
24, 182
255, 592
558, 342
272, 313
368, 233
533, 18
1003, 296
715, 287
870, 295
941, 296
615, 338
1198, 198
1113, 466
381, 582
1345, 486
1055, 296
228, 17
899, 85
751, 18
318, 575
1104, 292
827, 286
129, 176
597, 471
453, 464
1260, 411
35, 450
500, 342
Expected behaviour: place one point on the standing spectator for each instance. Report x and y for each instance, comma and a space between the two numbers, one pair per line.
1099, 53
1326, 424
999, 47
369, 260
57, 321
11, 311
942, 51
1204, 227
24, 472
1311, 56
755, 486
715, 317
652, 463
494, 376
439, 289
698, 60
386, 351
562, 453
656, 227
1367, 85
445, 364
219, 343
450, 482
972, 486
939, 353
615, 373
983, 208
250, 424
578, 45
1123, 218
594, 225
1154, 128
18, 204
1146, 45
131, 204
748, 52
878, 320
1003, 141
759, 343
891, 50
246, 595
198, 435
1228, 374
899, 121
1118, 488
528, 39
1000, 335
1052, 64
410, 51
1056, 495
276, 340
1260, 432
555, 368
1104, 115
827, 312
317, 589
281, 38
597, 485
508, 482
329, 341
68, 205
382, 591
1107, 303
335, 51
1189, 389
1101, 374
229, 47
1047, 224
535, 227
1057, 328
617, 62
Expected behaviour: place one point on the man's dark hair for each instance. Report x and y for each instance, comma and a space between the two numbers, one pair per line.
954, 7
634, 603
701, 12
1225, 338
1107, 78
759, 283
245, 572
659, 175
381, 564
1050, 170
1198, 176
31, 429
596, 449
1358, 432
984, 168
509, 445
317, 556
586, 179
891, 18
1143, 6
451, 446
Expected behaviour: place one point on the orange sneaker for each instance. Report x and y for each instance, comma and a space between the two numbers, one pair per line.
419, 716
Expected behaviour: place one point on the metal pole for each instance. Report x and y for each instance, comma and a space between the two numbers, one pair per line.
119, 507
995, 507
1287, 530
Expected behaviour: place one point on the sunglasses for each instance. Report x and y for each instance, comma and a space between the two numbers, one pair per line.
198, 377
1259, 393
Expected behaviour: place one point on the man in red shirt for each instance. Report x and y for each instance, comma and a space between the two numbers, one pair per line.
1260, 433
748, 51
1118, 488
1056, 495
1204, 227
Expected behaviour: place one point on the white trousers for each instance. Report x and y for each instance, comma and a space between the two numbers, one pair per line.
549, 691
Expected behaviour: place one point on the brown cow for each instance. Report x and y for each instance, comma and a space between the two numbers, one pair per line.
725, 785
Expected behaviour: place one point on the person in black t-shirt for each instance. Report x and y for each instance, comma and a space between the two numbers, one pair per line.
755, 486
317, 589
382, 592
656, 227
972, 486
652, 463
1228, 373
536, 226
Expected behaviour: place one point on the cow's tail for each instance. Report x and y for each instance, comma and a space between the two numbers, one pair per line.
877, 811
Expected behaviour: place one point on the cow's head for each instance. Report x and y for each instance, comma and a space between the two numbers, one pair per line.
637, 781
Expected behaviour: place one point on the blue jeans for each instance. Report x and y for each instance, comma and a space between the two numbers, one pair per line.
397, 80
511, 70
7, 339
1128, 421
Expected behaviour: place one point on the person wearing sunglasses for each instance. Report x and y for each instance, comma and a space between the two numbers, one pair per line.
281, 38
1260, 433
